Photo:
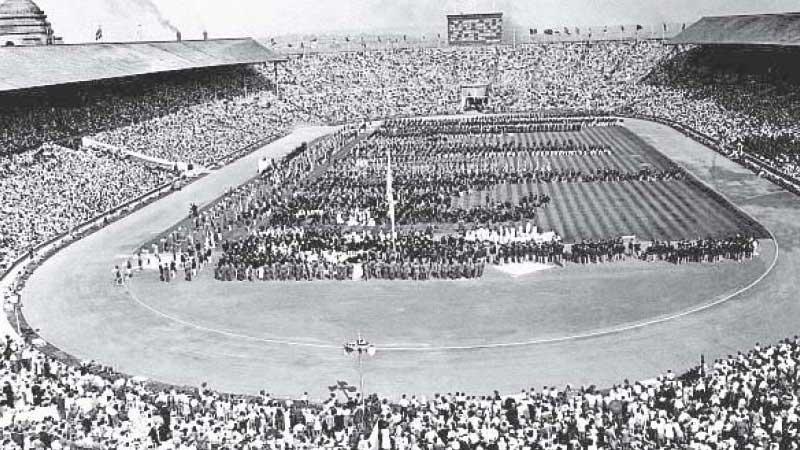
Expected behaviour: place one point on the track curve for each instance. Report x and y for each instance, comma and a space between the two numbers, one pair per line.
78, 310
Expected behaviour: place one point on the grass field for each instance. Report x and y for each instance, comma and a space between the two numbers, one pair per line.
667, 210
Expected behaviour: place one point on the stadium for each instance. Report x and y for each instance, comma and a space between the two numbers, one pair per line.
502, 238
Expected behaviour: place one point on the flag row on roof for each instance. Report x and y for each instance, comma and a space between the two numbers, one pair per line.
568, 31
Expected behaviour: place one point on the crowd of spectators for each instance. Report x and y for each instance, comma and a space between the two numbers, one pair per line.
745, 101
209, 133
744, 401
51, 115
50, 191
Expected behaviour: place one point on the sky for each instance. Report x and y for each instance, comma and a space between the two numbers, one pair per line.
126, 20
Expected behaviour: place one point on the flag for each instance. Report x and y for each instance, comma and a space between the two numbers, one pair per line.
665, 28
98, 35
639, 27
347, 38
548, 32
605, 29
566, 31
379, 38
314, 39
622, 27
404, 38
375, 438
577, 30
532, 31
683, 27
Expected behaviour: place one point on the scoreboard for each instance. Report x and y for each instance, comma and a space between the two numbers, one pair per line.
475, 29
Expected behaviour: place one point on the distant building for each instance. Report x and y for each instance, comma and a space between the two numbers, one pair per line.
475, 29
23, 23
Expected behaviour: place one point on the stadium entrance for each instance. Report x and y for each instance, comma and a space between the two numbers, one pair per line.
475, 97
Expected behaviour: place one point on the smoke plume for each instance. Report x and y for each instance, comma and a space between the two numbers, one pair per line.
151, 7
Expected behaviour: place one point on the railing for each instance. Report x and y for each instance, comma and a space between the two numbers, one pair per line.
100, 220
90, 225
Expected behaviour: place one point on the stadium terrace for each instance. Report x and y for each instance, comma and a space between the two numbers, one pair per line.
192, 232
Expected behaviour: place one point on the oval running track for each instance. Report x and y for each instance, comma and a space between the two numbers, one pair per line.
135, 340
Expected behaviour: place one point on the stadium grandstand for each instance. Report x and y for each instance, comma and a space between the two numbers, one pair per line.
81, 63
434, 208
752, 30
749, 65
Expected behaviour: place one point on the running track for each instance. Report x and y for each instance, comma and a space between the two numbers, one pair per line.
137, 341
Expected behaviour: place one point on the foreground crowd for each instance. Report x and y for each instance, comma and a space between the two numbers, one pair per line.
745, 401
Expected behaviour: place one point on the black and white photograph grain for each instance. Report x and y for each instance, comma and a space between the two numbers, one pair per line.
400, 225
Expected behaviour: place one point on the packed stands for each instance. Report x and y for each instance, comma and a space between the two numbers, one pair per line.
747, 400
40, 152
48, 192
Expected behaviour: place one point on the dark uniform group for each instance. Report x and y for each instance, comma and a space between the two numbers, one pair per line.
419, 271
737, 248
586, 252
285, 271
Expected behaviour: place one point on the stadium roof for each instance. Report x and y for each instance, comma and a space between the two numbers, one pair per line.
51, 65
763, 29
495, 15
19, 7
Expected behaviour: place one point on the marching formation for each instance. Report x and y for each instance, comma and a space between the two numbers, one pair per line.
334, 218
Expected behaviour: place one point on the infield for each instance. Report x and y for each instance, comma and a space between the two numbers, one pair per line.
222, 331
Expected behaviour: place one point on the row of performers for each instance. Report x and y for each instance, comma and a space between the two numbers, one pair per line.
371, 270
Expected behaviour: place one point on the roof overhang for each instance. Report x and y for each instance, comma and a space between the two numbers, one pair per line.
53, 65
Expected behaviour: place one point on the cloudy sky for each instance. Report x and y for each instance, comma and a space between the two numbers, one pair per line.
121, 20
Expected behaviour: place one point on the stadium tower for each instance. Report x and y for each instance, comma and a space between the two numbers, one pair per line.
24, 23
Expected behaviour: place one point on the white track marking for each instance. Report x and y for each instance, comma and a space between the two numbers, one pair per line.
226, 333
431, 348
769, 194
389, 348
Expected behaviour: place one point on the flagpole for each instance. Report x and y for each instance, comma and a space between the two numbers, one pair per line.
390, 195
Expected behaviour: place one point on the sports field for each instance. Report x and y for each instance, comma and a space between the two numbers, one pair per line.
595, 324
663, 209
